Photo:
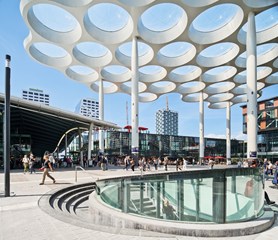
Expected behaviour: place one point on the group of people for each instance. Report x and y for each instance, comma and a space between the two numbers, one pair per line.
145, 164
270, 169
28, 161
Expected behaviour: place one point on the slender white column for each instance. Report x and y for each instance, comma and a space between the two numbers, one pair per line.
90, 132
101, 115
201, 129
228, 133
80, 147
251, 69
66, 145
134, 98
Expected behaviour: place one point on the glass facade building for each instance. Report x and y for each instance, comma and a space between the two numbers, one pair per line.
167, 122
118, 143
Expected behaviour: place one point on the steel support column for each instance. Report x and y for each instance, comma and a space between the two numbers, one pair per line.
228, 133
201, 129
101, 115
251, 70
134, 98
90, 132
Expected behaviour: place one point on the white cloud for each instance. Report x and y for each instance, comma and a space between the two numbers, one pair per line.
238, 136
212, 135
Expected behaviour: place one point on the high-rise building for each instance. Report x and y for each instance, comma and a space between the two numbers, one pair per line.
166, 122
267, 128
88, 107
36, 95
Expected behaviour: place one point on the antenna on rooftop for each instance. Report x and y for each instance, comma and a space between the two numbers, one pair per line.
167, 104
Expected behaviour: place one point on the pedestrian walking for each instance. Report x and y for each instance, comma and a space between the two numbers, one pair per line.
184, 167
166, 163
25, 161
46, 167
126, 162
32, 163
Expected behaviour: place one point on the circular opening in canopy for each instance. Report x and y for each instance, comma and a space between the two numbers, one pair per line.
147, 97
272, 79
217, 54
242, 89
220, 87
108, 23
108, 87
216, 23
60, 20
82, 74
176, 54
262, 72
126, 87
50, 54
265, 53
219, 74
266, 26
124, 52
220, 97
108, 17
54, 23
191, 87
194, 97
162, 23
185, 73
92, 54
116, 73
162, 87
152, 73
196, 3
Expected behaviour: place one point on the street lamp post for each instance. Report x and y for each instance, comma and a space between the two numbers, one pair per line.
6, 128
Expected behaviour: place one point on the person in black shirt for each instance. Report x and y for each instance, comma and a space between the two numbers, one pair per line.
46, 167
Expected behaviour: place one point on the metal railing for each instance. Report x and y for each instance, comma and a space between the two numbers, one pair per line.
76, 167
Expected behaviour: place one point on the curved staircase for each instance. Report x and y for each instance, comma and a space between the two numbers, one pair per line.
68, 204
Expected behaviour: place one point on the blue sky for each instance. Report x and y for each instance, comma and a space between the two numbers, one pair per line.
66, 93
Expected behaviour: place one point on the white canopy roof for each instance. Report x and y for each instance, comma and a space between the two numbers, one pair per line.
185, 46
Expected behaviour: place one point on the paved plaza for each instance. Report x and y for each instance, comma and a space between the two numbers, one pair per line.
21, 218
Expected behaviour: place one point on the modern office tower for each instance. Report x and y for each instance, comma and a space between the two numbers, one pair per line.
267, 128
36, 95
88, 107
167, 121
